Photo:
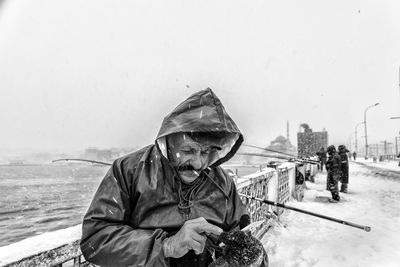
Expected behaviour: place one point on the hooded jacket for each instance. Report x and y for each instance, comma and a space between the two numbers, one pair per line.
333, 164
344, 164
137, 204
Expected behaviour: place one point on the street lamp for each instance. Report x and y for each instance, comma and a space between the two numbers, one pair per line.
365, 127
350, 136
356, 134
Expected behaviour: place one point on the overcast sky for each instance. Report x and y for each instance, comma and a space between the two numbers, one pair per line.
105, 73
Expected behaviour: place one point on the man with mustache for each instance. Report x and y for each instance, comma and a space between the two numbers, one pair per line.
163, 205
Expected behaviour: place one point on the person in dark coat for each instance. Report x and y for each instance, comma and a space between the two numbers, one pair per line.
162, 205
344, 167
322, 158
354, 155
298, 193
334, 169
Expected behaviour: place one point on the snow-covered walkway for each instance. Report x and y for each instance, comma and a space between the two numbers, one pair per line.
373, 200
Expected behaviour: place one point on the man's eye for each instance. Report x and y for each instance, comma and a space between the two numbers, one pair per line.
206, 151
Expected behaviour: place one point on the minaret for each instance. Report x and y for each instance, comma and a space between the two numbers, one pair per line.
287, 130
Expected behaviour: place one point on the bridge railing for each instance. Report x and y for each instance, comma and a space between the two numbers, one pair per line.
277, 185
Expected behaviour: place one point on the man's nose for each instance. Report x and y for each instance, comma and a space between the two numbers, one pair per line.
196, 162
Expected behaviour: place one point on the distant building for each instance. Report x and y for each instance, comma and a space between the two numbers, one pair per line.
91, 153
283, 144
16, 162
104, 154
94, 153
309, 142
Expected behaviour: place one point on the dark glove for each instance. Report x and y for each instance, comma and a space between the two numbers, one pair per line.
241, 250
192, 235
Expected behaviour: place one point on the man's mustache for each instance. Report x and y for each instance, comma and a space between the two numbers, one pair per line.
186, 168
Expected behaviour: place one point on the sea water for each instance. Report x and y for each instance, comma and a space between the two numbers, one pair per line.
35, 199
42, 198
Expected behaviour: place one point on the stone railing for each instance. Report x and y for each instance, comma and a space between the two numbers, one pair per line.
66, 255
256, 185
277, 185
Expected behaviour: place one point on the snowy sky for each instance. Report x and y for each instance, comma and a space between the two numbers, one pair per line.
105, 73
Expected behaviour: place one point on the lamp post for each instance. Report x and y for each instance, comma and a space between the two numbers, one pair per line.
365, 127
350, 141
356, 135
397, 117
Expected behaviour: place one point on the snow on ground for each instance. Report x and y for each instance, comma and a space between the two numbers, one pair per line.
311, 241
36, 244
390, 165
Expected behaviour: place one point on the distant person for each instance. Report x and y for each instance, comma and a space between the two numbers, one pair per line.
322, 158
344, 167
159, 205
300, 185
354, 155
398, 157
333, 168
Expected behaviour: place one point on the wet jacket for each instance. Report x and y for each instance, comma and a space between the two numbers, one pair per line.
321, 155
137, 205
344, 166
333, 165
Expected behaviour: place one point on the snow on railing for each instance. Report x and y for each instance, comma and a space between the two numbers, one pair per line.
256, 185
276, 185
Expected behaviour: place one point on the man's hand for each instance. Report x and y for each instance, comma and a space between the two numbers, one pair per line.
192, 235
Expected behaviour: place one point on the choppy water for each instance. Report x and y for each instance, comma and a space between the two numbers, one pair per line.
42, 198
45, 198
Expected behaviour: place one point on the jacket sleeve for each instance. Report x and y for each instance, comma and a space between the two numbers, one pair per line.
338, 163
107, 238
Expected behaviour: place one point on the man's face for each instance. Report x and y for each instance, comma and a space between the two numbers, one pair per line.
190, 156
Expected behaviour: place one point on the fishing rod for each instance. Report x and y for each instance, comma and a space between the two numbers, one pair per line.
293, 157
365, 228
245, 154
278, 157
283, 153
276, 204
270, 150
85, 160
261, 155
